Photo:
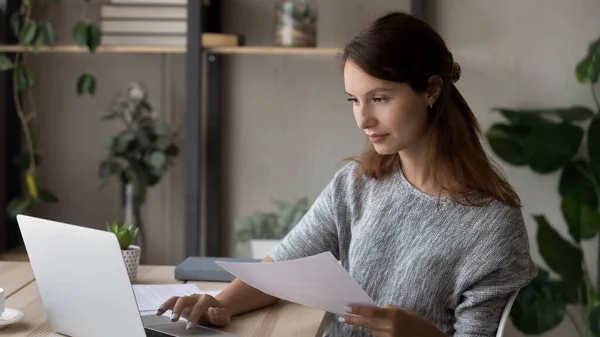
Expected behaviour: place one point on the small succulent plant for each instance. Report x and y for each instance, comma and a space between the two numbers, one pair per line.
125, 233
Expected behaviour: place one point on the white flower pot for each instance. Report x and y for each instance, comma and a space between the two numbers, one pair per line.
260, 248
131, 256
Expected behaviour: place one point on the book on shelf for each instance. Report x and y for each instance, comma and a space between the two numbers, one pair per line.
146, 40
143, 26
152, 2
143, 12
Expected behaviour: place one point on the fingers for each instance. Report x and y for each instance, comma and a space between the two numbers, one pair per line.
219, 316
363, 310
167, 305
357, 320
182, 303
204, 303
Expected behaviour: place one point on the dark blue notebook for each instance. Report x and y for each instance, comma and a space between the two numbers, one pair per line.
196, 268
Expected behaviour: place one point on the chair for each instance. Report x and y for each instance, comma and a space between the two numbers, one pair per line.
506, 314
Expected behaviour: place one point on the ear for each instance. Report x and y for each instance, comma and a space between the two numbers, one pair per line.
434, 89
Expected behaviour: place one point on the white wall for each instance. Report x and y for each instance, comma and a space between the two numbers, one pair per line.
518, 53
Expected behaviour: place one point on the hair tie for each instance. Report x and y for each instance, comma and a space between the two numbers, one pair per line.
455, 69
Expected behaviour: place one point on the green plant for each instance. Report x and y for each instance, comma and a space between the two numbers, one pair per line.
125, 233
142, 152
271, 225
547, 141
34, 34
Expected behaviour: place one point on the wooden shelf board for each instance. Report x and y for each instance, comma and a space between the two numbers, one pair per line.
209, 40
273, 50
142, 49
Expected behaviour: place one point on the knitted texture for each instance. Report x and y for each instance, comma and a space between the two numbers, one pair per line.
455, 265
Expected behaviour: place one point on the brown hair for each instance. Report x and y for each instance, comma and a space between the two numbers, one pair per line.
401, 48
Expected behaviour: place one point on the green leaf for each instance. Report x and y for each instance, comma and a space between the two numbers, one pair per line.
108, 168
25, 78
46, 31
86, 84
595, 320
80, 33
593, 143
22, 160
94, 37
5, 63
573, 179
17, 206
560, 255
158, 160
27, 33
124, 141
522, 118
539, 307
47, 196
15, 23
550, 147
588, 69
507, 141
583, 219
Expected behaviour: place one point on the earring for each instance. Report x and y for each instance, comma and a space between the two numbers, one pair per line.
431, 106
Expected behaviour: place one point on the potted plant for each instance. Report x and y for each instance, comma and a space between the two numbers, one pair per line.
140, 154
555, 140
264, 230
131, 253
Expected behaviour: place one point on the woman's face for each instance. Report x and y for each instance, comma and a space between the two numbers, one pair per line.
392, 115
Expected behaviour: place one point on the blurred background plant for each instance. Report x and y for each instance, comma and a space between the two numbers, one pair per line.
271, 225
33, 33
547, 141
139, 155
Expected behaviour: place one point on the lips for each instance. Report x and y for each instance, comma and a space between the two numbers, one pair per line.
377, 137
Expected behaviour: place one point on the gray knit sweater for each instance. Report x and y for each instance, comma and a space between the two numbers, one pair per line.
454, 265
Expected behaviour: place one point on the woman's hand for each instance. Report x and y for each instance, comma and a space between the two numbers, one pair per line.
197, 309
390, 321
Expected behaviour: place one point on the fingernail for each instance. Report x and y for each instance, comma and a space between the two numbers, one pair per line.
347, 309
173, 315
188, 325
342, 319
213, 311
161, 307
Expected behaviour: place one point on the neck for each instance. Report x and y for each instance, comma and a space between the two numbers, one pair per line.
415, 167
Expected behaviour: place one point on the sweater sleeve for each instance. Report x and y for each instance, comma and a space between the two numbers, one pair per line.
498, 268
315, 233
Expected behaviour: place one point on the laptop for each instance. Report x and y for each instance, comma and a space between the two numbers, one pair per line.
84, 286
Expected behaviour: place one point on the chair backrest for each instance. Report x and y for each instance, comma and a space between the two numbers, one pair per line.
506, 314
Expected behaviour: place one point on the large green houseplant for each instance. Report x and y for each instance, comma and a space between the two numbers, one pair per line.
547, 141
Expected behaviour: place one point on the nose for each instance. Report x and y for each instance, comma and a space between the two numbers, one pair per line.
364, 117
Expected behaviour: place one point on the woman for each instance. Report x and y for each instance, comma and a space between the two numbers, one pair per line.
421, 220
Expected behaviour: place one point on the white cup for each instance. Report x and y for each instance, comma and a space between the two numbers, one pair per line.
2, 299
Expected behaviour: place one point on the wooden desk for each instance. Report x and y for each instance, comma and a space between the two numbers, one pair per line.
282, 319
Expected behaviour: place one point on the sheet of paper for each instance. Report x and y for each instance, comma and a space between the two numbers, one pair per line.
317, 281
149, 308
150, 296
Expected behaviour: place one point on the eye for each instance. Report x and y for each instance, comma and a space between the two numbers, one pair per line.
352, 99
379, 99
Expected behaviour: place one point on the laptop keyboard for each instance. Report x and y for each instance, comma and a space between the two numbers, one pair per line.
153, 333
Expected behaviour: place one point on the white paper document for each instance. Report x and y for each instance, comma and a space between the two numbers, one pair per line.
150, 296
317, 281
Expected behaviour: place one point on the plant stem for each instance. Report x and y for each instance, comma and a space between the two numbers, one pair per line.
595, 96
577, 327
23, 119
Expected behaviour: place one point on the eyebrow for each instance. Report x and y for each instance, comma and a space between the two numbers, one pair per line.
372, 91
